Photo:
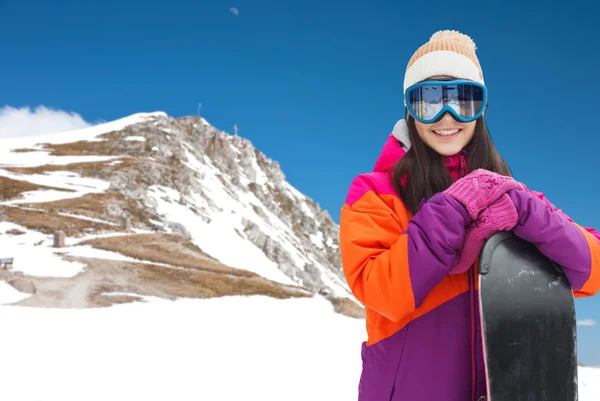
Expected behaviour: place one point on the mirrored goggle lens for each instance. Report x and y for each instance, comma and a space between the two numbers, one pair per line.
428, 100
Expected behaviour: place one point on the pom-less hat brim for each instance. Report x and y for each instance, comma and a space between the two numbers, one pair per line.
442, 63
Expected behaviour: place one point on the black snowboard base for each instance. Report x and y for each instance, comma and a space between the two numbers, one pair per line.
528, 323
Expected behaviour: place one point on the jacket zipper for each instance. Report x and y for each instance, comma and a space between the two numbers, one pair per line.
461, 171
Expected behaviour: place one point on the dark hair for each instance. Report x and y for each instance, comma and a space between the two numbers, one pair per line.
425, 171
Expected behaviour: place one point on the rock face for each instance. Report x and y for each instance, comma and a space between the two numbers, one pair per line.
165, 161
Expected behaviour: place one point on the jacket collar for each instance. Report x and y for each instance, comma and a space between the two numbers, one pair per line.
457, 164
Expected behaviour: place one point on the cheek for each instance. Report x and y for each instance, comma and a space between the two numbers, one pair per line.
421, 130
470, 130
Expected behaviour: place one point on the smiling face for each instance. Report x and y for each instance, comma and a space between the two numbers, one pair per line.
446, 136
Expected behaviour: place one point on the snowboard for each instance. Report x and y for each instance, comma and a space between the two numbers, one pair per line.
528, 323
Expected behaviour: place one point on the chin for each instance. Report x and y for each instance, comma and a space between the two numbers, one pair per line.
448, 151
447, 147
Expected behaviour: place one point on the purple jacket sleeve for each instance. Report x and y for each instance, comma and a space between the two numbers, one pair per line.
392, 259
554, 235
435, 235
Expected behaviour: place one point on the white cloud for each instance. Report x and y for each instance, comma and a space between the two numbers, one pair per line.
234, 11
586, 322
42, 120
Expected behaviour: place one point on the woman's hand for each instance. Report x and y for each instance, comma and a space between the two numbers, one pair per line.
480, 188
501, 215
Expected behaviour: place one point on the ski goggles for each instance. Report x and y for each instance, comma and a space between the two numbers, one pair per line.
427, 101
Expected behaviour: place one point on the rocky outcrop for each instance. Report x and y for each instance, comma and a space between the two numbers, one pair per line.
179, 153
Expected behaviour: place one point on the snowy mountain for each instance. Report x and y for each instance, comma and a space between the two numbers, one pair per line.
181, 186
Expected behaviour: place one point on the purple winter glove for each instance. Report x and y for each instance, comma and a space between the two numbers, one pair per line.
499, 216
480, 188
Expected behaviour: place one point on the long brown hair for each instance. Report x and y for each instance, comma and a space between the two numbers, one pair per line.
425, 171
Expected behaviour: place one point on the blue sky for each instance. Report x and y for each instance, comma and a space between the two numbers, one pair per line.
317, 85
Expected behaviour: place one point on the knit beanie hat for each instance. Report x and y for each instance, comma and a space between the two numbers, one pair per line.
449, 53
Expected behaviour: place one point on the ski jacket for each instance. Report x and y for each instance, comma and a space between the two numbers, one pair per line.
423, 329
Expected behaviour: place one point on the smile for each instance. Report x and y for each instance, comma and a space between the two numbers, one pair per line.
447, 132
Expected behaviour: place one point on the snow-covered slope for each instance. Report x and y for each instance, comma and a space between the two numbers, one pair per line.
166, 175
222, 349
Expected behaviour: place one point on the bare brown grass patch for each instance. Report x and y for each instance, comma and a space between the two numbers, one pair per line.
110, 144
135, 168
199, 276
208, 284
49, 223
12, 189
97, 205
170, 249
15, 231
100, 169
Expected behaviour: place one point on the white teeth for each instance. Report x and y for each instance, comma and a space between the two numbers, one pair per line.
446, 132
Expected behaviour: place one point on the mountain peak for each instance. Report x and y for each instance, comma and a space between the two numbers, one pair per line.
179, 176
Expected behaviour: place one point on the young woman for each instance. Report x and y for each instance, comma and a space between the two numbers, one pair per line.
412, 229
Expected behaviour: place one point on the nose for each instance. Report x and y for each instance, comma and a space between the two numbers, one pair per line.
448, 117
